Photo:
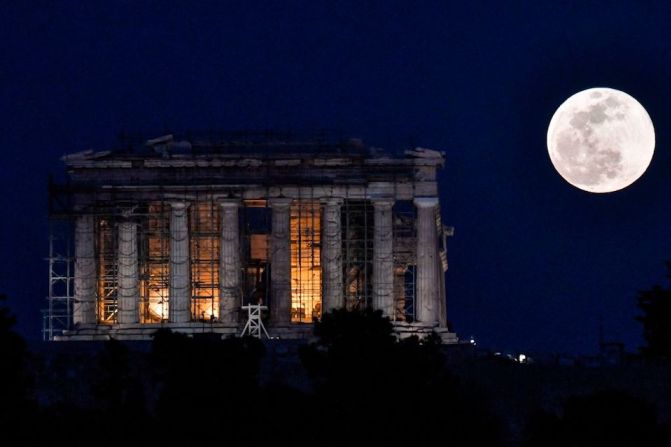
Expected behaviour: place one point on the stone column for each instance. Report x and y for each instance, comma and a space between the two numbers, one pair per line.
280, 263
180, 269
383, 258
332, 255
128, 291
426, 302
229, 263
84, 308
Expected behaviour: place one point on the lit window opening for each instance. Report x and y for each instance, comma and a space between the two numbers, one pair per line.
306, 269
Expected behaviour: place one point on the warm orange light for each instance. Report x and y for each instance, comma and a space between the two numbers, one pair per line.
306, 271
205, 225
206, 310
107, 275
158, 306
155, 285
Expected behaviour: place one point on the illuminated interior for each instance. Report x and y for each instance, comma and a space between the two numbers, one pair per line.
306, 271
258, 247
106, 252
155, 279
205, 227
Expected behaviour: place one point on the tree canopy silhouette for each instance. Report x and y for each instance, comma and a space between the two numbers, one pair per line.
380, 390
607, 418
655, 304
16, 400
205, 383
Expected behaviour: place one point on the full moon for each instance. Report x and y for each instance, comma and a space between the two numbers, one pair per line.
601, 140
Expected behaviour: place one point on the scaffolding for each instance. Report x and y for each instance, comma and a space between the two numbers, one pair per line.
153, 220
204, 236
405, 261
306, 269
154, 263
57, 317
107, 251
357, 252
254, 326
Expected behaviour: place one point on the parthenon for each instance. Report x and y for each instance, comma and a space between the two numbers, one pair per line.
181, 232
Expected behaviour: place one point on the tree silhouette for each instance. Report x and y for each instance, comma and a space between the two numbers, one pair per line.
16, 400
205, 386
655, 304
607, 418
116, 388
376, 389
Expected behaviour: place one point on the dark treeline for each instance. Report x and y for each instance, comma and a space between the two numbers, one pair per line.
655, 317
362, 386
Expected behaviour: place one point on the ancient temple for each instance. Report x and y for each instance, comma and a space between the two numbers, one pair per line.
184, 232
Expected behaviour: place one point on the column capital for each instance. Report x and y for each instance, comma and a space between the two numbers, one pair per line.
425, 202
280, 202
128, 216
179, 205
229, 203
128, 222
128, 212
333, 201
383, 203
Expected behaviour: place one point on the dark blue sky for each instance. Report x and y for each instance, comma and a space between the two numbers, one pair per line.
534, 262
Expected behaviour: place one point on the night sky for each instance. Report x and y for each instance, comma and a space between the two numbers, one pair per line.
535, 263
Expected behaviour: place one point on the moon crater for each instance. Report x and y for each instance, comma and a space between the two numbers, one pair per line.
601, 140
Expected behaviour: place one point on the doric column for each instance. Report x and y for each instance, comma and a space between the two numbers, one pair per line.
280, 263
128, 291
383, 258
332, 255
180, 271
426, 305
229, 263
84, 308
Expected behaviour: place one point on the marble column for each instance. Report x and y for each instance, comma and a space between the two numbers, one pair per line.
426, 302
280, 263
332, 255
84, 308
180, 269
128, 287
229, 263
383, 258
